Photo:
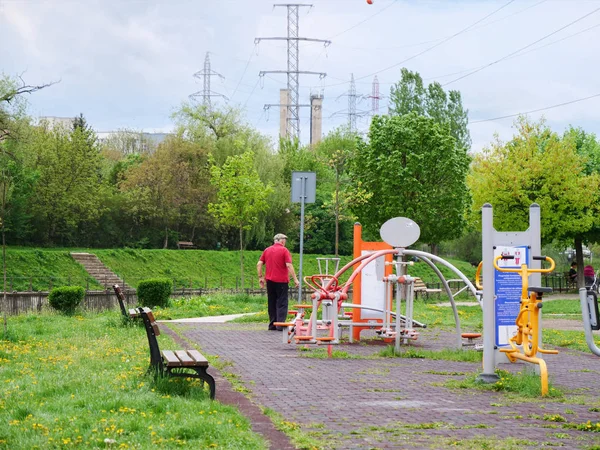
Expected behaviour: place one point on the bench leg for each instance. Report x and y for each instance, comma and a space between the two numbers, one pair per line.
201, 373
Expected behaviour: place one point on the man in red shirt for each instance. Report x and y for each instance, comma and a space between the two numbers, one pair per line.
278, 260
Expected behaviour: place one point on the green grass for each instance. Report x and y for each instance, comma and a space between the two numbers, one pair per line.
301, 438
446, 354
214, 304
193, 268
471, 317
567, 338
570, 308
40, 269
81, 382
189, 268
522, 385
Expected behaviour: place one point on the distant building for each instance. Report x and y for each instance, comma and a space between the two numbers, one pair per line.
126, 141
57, 122
129, 142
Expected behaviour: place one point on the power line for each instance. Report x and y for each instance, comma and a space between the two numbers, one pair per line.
432, 47
536, 110
244, 72
252, 92
361, 22
441, 38
516, 56
523, 48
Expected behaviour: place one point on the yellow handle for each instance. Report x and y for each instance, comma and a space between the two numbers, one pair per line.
520, 269
478, 284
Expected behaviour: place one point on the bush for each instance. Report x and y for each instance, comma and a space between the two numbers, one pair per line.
155, 292
66, 299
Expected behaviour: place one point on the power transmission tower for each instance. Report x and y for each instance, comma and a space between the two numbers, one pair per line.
375, 97
293, 67
207, 93
352, 104
351, 112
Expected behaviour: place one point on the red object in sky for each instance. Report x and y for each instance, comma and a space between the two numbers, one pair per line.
370, 2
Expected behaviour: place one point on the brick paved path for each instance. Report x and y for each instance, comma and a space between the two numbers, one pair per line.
362, 403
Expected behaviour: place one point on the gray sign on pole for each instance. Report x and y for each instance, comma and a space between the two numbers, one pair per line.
304, 186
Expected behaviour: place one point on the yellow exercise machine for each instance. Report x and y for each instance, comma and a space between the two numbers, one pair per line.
525, 343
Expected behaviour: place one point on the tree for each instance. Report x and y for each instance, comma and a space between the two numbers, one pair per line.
537, 165
12, 120
241, 196
13, 105
222, 132
88, 134
68, 190
336, 149
411, 167
588, 147
410, 95
171, 186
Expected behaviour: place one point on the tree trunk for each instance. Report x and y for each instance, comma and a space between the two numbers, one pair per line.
166, 243
2, 219
337, 211
242, 256
4, 300
579, 261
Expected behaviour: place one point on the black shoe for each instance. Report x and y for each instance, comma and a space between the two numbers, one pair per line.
279, 329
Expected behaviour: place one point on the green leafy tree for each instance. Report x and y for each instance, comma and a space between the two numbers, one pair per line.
411, 167
537, 165
335, 150
12, 120
241, 196
68, 191
222, 132
171, 187
410, 95
588, 147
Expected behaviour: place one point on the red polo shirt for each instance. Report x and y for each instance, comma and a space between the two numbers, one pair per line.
275, 258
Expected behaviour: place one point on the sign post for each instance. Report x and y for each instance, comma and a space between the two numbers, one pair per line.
304, 188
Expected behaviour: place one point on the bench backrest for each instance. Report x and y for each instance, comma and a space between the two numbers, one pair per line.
419, 285
151, 332
121, 299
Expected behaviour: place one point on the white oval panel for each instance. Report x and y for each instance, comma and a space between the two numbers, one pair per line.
400, 232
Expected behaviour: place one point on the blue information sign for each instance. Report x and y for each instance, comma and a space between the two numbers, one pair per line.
508, 292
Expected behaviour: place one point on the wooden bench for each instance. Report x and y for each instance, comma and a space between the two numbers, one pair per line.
183, 245
130, 313
174, 363
420, 286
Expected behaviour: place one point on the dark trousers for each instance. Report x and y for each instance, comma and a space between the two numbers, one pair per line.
277, 294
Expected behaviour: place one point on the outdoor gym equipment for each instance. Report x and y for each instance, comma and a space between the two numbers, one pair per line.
329, 295
500, 291
591, 317
525, 343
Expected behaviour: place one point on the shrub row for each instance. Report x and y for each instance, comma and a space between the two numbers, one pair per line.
154, 292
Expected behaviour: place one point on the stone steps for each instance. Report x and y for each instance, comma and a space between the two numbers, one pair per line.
96, 269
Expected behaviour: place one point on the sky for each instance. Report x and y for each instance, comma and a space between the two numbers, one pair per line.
131, 63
